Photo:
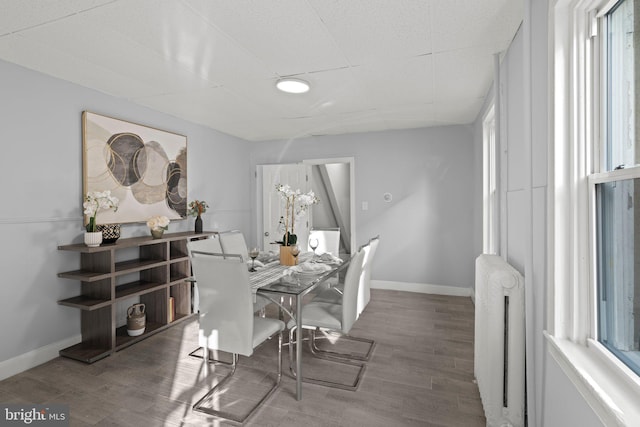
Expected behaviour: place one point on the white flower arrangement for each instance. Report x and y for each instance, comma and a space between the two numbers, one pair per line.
158, 222
95, 201
297, 204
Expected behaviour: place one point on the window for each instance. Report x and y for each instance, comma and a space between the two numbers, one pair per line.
616, 185
490, 197
594, 189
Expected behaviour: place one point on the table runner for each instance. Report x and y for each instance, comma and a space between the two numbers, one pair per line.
272, 271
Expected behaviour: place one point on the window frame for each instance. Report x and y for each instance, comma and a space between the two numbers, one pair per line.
607, 384
490, 188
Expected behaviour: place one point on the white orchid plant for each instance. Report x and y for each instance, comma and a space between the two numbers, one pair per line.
94, 201
158, 222
297, 204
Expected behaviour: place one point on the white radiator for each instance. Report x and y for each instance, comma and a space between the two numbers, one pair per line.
499, 363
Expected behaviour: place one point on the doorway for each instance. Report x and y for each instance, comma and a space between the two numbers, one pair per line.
332, 180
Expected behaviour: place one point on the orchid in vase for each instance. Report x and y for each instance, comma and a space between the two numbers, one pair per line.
95, 201
296, 205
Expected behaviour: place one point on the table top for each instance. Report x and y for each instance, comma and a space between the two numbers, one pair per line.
272, 279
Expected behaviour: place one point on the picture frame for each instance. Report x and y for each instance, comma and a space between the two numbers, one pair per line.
144, 167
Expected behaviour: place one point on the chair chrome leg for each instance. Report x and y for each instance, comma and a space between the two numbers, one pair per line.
212, 361
234, 419
351, 356
352, 387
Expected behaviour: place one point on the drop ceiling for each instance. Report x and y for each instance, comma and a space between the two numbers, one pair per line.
372, 64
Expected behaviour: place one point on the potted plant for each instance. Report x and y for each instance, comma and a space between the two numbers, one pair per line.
94, 201
158, 224
197, 208
296, 206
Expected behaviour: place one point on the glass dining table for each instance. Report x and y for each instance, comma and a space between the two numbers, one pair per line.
274, 280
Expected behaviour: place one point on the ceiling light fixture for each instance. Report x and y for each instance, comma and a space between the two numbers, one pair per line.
291, 85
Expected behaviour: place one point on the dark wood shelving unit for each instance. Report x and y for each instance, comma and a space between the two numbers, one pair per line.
163, 271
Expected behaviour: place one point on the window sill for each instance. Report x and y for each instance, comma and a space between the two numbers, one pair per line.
610, 388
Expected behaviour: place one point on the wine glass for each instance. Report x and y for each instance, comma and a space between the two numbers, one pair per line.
253, 253
295, 251
313, 244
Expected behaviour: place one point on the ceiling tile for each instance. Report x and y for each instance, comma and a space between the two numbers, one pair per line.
20, 14
287, 36
465, 23
48, 60
462, 73
398, 81
374, 30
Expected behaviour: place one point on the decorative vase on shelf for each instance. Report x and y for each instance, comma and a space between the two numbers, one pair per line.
110, 233
198, 224
93, 238
157, 234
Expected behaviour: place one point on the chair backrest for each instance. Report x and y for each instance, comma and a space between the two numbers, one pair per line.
364, 289
350, 293
233, 242
328, 240
226, 302
210, 244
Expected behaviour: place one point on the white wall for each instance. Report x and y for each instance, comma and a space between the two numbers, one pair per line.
427, 231
41, 208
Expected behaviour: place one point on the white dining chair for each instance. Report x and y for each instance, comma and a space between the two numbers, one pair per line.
233, 242
227, 323
334, 293
212, 245
328, 240
364, 289
334, 317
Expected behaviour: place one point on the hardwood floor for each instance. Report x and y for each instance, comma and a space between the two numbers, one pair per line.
421, 374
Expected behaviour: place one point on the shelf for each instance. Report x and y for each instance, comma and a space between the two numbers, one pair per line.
85, 303
179, 279
159, 268
131, 266
136, 288
124, 340
84, 275
85, 353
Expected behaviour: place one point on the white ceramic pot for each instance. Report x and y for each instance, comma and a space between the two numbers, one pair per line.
93, 239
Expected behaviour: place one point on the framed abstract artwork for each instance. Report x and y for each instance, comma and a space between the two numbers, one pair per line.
144, 167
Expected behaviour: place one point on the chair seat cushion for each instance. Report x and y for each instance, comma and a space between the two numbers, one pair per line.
264, 327
321, 315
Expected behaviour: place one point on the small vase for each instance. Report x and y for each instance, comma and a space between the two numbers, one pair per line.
110, 233
93, 238
157, 234
198, 224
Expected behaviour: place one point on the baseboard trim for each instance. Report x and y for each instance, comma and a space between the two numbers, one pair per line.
33, 358
423, 288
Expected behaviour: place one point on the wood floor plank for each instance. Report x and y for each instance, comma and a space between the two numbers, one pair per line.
421, 374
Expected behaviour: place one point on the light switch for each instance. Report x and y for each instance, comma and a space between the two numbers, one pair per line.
365, 206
